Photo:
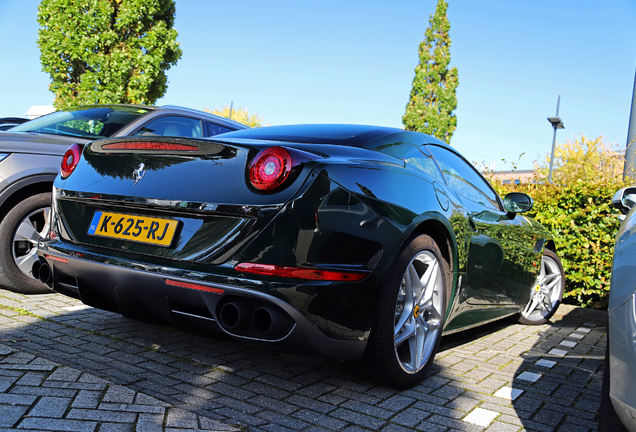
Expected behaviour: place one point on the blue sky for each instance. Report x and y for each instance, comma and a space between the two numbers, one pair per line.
353, 62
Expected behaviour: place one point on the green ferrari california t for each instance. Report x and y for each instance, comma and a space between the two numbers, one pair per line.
356, 242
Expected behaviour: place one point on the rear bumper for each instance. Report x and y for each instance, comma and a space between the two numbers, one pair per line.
188, 300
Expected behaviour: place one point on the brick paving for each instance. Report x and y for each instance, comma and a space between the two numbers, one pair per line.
67, 367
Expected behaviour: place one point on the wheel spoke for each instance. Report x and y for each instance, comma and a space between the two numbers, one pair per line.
401, 326
420, 337
551, 276
546, 303
416, 285
428, 281
532, 305
548, 288
412, 363
554, 280
47, 222
25, 262
407, 312
542, 271
26, 231
432, 323
407, 332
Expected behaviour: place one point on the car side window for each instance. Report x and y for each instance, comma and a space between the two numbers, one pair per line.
176, 126
215, 129
463, 178
422, 162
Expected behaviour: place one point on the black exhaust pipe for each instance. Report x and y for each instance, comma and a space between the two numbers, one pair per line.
269, 320
234, 316
45, 273
35, 270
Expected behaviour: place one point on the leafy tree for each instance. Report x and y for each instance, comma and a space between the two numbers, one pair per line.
238, 114
433, 96
582, 159
107, 51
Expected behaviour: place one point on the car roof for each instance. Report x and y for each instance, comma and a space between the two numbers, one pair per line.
165, 109
394, 141
340, 134
84, 107
209, 115
169, 108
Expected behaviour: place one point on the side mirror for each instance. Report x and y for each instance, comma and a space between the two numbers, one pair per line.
517, 202
625, 199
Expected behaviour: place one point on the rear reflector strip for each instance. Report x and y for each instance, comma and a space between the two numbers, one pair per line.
299, 273
145, 145
54, 258
194, 286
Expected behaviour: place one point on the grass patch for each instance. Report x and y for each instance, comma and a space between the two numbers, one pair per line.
19, 311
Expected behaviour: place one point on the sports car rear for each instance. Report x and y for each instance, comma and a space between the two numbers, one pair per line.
191, 233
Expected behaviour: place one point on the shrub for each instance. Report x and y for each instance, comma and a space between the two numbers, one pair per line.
584, 224
583, 159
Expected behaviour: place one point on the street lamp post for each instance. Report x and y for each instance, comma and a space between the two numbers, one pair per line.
629, 171
557, 123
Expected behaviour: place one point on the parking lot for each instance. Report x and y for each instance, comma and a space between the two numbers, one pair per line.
64, 366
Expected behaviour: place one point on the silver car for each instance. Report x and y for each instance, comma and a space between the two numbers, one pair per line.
30, 156
618, 400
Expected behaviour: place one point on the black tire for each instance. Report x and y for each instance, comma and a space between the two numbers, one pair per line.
608, 419
395, 356
20, 229
547, 291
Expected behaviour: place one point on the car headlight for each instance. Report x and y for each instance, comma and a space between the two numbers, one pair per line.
3, 156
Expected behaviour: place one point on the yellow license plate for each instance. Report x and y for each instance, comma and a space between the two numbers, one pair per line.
141, 229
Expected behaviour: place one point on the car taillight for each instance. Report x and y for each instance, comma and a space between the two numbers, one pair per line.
270, 168
149, 145
70, 160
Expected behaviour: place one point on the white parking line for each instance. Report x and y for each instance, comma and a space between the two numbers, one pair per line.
545, 363
529, 376
481, 417
557, 352
77, 308
508, 393
568, 344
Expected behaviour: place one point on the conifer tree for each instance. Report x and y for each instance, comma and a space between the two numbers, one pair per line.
107, 51
433, 95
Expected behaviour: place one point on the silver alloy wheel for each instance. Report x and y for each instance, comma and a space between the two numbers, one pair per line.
546, 293
418, 312
33, 228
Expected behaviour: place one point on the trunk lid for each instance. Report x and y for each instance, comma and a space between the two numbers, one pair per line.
126, 193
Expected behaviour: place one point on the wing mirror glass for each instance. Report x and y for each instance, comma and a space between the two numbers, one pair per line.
517, 202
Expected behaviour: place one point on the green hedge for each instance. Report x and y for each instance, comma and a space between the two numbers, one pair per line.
584, 225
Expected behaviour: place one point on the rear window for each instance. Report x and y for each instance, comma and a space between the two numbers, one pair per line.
86, 122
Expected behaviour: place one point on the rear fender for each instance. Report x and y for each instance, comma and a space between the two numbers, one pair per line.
327, 227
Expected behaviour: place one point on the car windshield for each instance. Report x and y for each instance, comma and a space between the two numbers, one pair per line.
84, 122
